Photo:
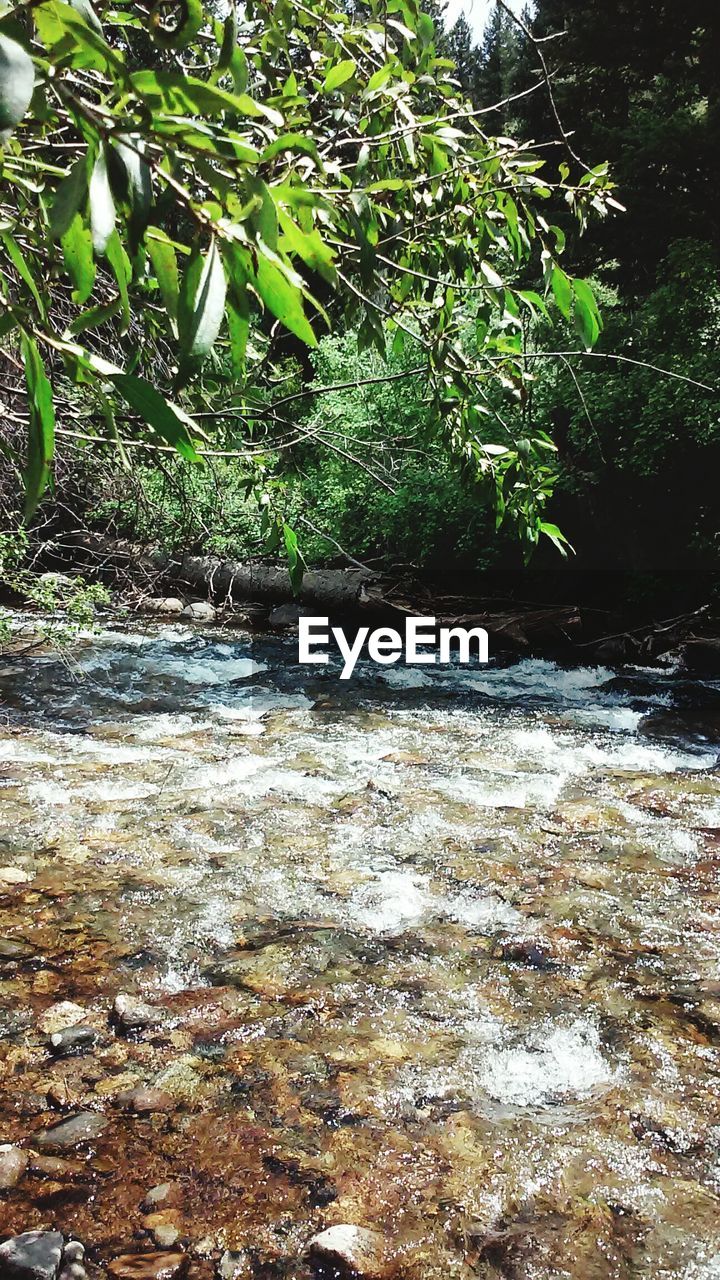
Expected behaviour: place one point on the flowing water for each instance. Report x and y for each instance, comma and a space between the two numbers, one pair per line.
437, 953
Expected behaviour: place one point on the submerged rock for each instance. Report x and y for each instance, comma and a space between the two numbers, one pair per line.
13, 1163
61, 1016
147, 1266
57, 1169
356, 1249
72, 1041
235, 1264
145, 1099
34, 1255
13, 875
160, 1197
83, 1127
181, 1079
14, 949
165, 1235
133, 1014
530, 954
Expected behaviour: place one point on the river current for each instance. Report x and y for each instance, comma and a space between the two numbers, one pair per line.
434, 952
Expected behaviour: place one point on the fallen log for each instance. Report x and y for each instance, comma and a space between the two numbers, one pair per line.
147, 570
349, 594
334, 590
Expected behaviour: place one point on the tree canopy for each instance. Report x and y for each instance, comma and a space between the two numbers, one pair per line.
191, 198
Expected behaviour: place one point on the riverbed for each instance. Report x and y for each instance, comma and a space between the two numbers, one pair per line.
431, 952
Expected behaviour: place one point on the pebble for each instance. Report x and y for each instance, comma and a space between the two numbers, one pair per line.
13, 875
165, 1235
73, 1271
142, 1100
235, 1264
72, 1041
13, 1163
73, 1252
358, 1249
34, 1255
147, 1266
60, 1016
83, 1127
57, 1169
164, 1194
14, 949
133, 1014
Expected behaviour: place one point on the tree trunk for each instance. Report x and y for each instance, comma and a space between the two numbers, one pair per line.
333, 590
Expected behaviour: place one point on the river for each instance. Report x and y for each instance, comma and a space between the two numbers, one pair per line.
436, 953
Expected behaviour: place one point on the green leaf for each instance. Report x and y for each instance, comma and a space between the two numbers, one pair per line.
264, 219
119, 264
562, 291
291, 142
64, 31
41, 433
21, 266
68, 198
188, 96
130, 147
425, 28
556, 536
586, 315
108, 412
102, 205
167, 419
78, 258
231, 57
94, 317
533, 302
164, 262
202, 311
283, 298
238, 319
17, 81
339, 74
88, 14
309, 246
294, 559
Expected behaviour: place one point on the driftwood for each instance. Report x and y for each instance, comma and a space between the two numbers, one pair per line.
524, 628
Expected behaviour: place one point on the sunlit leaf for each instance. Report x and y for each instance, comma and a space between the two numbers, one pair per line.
77, 250
41, 433
339, 75
102, 205
167, 419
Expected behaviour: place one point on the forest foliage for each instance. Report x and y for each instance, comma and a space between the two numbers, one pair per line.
300, 273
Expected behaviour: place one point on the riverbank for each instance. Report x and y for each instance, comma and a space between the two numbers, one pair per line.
605, 621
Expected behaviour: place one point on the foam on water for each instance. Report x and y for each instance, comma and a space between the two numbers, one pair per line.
703, 1268
553, 1063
